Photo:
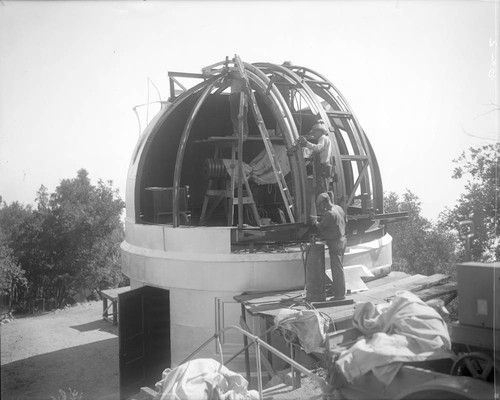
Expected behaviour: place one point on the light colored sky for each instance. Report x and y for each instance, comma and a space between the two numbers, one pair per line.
421, 77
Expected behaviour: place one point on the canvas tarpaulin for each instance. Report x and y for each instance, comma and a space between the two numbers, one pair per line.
404, 330
203, 379
308, 326
260, 169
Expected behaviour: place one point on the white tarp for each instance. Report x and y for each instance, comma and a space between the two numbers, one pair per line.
203, 379
404, 330
309, 326
260, 169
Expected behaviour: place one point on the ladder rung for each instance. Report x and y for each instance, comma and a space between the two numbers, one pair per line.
317, 82
354, 157
244, 200
339, 114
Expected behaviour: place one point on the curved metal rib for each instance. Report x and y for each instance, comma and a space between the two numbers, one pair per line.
182, 148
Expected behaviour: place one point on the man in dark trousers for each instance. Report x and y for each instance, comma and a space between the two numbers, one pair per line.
331, 227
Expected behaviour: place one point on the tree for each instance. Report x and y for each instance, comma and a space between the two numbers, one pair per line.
69, 242
418, 246
480, 202
85, 229
12, 277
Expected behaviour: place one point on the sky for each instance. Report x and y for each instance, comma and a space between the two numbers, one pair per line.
421, 77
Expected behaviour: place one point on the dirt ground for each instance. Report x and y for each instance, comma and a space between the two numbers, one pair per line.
71, 348
75, 348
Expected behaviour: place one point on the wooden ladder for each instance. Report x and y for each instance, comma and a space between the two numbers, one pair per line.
280, 178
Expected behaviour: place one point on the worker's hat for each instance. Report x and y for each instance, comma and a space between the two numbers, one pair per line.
319, 127
323, 197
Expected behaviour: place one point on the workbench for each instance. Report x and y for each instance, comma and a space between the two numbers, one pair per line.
269, 303
112, 295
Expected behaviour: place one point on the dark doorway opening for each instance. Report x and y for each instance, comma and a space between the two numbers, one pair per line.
144, 338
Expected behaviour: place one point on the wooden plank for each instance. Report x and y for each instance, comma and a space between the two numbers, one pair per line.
411, 283
380, 294
437, 291
268, 296
391, 277
391, 284
113, 293
263, 297
331, 303
269, 304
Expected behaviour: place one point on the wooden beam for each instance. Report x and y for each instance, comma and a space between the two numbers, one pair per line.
240, 157
185, 75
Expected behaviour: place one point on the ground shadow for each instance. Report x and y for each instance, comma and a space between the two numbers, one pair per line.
97, 325
91, 369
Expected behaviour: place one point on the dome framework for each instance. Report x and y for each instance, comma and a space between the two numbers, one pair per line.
219, 193
197, 128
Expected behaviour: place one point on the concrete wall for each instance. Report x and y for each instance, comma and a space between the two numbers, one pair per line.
203, 276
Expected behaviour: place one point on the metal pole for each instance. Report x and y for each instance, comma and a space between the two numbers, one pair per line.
321, 381
245, 344
199, 348
246, 347
259, 370
219, 346
279, 354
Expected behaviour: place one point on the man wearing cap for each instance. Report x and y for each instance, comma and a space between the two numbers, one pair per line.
331, 227
237, 90
324, 149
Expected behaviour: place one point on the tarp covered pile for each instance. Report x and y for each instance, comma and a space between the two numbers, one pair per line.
308, 326
203, 379
404, 330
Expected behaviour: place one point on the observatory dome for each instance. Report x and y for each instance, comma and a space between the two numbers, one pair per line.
219, 192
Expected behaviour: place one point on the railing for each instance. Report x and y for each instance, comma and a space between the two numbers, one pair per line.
258, 342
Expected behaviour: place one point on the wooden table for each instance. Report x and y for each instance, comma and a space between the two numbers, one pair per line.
111, 294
